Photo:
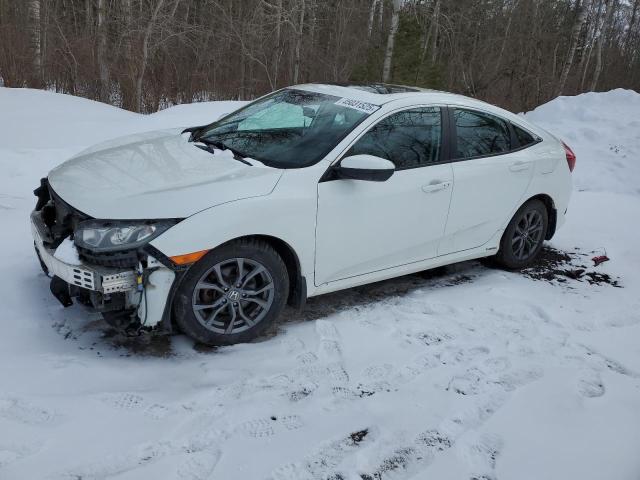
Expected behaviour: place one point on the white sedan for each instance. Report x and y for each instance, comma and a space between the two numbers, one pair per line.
307, 190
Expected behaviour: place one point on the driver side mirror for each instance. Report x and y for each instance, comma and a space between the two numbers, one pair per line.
364, 167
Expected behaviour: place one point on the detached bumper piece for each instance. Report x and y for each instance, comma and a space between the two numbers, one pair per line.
105, 281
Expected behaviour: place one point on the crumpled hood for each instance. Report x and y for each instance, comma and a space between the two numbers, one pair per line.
157, 174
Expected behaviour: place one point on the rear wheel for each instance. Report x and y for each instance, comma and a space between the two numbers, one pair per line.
233, 294
523, 238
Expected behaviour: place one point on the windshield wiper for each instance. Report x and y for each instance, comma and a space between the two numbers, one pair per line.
221, 146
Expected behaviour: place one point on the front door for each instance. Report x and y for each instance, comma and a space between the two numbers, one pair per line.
364, 226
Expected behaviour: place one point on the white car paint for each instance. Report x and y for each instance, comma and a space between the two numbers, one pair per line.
344, 232
156, 175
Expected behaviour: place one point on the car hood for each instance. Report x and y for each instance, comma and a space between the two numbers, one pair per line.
156, 174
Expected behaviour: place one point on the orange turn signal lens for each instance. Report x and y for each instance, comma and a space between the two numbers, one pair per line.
188, 258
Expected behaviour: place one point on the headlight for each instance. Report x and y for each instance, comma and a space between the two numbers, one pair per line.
106, 236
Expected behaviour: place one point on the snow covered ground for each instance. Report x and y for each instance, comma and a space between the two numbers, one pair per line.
470, 373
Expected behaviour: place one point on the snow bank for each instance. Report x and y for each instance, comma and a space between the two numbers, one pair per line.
603, 129
477, 373
41, 119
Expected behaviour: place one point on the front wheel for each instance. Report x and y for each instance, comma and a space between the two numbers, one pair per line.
522, 240
233, 294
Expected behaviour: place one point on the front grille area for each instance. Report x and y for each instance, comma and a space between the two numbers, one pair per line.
122, 259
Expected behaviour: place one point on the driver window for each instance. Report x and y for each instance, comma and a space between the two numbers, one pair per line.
479, 134
409, 139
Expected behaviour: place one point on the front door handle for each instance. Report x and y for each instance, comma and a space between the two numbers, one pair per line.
519, 166
435, 187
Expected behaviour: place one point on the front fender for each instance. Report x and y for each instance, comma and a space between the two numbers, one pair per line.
290, 218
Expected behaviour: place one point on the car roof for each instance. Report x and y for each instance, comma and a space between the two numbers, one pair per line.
381, 93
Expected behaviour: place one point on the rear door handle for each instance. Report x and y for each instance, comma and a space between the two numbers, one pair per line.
519, 166
435, 187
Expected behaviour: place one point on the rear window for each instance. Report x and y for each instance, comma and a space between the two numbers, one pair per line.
479, 134
524, 138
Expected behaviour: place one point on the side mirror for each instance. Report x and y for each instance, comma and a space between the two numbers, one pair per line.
365, 167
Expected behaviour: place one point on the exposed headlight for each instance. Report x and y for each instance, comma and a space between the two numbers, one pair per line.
105, 236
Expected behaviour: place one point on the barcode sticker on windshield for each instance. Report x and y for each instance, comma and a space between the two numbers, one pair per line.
358, 105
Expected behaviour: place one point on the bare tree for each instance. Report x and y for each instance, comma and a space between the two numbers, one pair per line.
372, 13
147, 54
35, 32
581, 16
611, 6
299, 32
101, 51
391, 38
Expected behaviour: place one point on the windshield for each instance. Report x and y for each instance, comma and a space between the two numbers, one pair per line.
289, 128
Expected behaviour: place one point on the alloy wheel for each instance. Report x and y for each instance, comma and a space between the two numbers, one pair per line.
233, 296
527, 235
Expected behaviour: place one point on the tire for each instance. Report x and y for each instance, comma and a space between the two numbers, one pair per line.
211, 308
523, 238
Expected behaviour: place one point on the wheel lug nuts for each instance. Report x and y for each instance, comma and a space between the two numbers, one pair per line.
244, 295
224, 300
226, 289
237, 285
235, 304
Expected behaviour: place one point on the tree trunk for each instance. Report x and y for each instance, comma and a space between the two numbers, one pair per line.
586, 59
101, 52
498, 62
434, 40
127, 86
372, 13
573, 45
611, 5
145, 54
632, 22
391, 39
36, 40
296, 64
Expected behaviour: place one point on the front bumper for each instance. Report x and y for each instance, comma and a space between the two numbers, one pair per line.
98, 279
114, 292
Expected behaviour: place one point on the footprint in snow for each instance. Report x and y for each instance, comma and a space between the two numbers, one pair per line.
306, 358
590, 384
12, 452
302, 391
124, 401
326, 330
292, 344
199, 465
267, 427
513, 379
599, 360
426, 446
132, 401
324, 460
480, 452
22, 411
330, 348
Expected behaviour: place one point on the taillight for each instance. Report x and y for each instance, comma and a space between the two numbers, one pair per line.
571, 157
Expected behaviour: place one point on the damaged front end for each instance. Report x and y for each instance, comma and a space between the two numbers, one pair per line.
131, 283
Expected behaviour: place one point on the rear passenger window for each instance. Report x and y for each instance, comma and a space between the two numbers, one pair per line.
524, 137
480, 134
409, 139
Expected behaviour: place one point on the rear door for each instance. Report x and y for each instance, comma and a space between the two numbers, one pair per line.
490, 176
364, 226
